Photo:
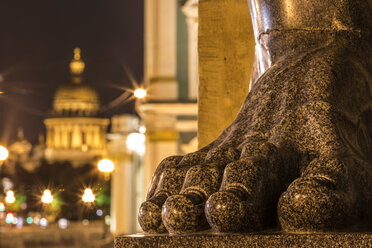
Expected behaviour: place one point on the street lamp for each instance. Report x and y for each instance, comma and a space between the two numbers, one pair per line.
3, 153
88, 196
47, 197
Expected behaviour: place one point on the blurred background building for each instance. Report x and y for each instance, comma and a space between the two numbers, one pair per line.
74, 133
165, 125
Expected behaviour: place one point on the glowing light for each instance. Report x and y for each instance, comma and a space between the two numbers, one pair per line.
99, 212
2, 207
106, 165
47, 197
140, 93
19, 223
85, 222
3, 153
29, 220
37, 220
88, 196
7, 183
62, 223
142, 129
9, 218
108, 220
10, 197
24, 206
84, 148
43, 222
136, 142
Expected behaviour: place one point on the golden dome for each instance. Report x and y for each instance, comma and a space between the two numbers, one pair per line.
76, 98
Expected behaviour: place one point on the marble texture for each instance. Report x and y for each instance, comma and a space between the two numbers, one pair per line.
299, 153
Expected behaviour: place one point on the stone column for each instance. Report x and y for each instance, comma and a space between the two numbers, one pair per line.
123, 197
226, 53
160, 49
190, 9
125, 180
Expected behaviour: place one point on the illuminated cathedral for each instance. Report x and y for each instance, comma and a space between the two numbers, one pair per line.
74, 132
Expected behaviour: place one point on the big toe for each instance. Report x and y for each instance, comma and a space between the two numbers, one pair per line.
149, 218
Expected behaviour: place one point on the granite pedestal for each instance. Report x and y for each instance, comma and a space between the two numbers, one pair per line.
263, 239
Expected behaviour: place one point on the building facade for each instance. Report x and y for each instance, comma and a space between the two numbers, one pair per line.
74, 133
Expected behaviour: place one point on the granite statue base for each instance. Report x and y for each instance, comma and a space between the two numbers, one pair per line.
262, 239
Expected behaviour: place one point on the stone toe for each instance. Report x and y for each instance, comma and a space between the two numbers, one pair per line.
181, 215
149, 218
312, 204
226, 212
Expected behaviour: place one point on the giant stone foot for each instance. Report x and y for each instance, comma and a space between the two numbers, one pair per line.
299, 153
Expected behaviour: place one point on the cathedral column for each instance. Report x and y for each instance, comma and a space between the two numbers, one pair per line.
96, 137
57, 137
76, 137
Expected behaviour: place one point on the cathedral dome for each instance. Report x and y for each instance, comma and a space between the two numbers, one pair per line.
76, 98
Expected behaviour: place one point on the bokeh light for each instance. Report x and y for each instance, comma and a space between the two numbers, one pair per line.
136, 142
106, 165
99, 212
47, 197
10, 197
29, 220
140, 93
9, 218
2, 207
88, 196
3, 153
43, 222
62, 223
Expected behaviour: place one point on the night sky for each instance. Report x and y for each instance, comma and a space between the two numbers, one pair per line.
36, 46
